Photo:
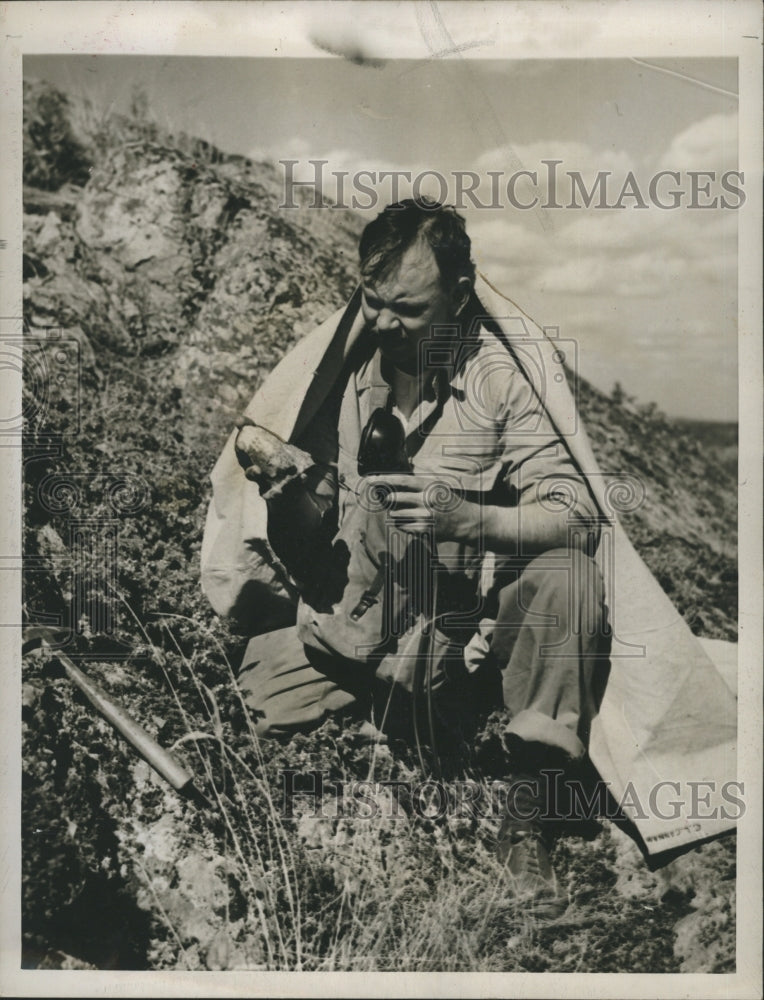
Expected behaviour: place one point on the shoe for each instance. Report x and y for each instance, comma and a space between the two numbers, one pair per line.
523, 849
268, 460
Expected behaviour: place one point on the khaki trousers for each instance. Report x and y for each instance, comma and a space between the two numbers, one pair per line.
546, 662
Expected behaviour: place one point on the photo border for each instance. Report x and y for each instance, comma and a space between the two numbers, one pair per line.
585, 29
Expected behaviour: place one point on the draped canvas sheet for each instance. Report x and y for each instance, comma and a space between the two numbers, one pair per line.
665, 736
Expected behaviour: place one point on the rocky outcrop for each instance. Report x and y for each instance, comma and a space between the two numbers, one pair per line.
155, 253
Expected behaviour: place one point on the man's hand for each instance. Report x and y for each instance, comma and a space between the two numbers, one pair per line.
417, 502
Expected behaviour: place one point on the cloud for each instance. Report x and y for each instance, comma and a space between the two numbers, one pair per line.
709, 144
626, 253
574, 156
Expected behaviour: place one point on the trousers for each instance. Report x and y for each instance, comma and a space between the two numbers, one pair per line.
544, 654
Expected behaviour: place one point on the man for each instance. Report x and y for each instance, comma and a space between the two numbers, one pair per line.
465, 563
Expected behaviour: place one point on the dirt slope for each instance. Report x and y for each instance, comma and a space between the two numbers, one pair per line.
177, 283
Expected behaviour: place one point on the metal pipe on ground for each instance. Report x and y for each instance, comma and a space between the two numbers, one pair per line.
146, 746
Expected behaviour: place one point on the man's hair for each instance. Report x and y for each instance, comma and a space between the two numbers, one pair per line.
386, 239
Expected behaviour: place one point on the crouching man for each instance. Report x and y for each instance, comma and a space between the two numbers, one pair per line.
434, 529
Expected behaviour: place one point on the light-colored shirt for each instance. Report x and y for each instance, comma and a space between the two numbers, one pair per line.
480, 431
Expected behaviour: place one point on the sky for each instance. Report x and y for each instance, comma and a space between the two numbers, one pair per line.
649, 295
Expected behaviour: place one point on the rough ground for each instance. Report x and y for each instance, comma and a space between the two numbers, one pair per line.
176, 284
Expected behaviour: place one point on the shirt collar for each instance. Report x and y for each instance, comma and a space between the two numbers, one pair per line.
438, 381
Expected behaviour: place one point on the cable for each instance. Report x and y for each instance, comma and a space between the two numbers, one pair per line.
511, 302
685, 76
423, 673
428, 677
415, 708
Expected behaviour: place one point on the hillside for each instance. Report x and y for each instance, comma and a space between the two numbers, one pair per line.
177, 284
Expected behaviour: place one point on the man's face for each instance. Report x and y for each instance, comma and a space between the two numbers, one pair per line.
401, 308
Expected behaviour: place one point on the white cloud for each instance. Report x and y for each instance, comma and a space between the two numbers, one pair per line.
709, 144
628, 253
574, 156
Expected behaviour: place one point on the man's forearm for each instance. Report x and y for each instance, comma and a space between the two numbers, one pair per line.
526, 529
